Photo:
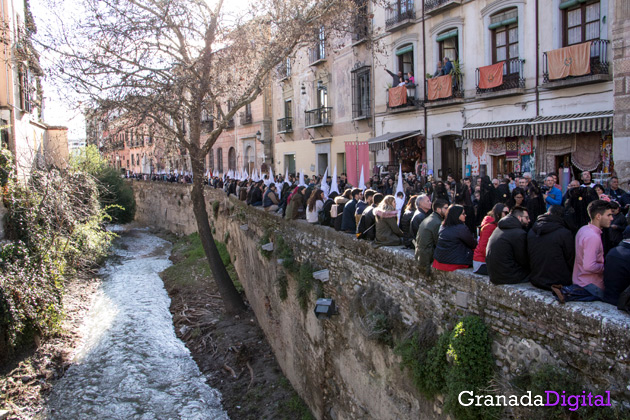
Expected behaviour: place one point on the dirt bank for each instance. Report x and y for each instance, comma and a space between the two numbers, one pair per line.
28, 379
232, 353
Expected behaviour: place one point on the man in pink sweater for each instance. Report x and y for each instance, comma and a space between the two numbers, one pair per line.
588, 269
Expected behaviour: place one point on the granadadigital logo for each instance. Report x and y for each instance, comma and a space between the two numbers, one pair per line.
549, 399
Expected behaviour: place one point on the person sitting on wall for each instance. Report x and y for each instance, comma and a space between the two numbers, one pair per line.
337, 210
617, 270
314, 205
367, 200
326, 218
295, 207
506, 254
366, 228
588, 268
423, 209
488, 225
270, 199
257, 194
551, 250
455, 245
428, 233
405, 221
348, 222
387, 231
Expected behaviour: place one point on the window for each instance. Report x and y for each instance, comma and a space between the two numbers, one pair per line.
448, 44
211, 160
405, 59
581, 23
361, 27
288, 108
220, 160
232, 159
321, 43
322, 96
504, 26
361, 92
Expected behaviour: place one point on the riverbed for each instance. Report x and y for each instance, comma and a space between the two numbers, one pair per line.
131, 364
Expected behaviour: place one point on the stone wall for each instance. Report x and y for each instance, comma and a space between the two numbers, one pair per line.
621, 75
333, 365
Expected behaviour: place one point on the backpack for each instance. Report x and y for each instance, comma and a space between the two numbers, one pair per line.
334, 209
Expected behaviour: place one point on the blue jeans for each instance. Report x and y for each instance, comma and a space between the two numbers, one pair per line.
575, 293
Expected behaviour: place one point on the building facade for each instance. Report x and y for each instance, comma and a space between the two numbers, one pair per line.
507, 106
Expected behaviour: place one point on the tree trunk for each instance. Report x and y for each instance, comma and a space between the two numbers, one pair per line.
231, 298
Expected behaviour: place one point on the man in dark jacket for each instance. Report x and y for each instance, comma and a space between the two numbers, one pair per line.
423, 208
348, 222
428, 233
617, 270
506, 254
551, 250
367, 224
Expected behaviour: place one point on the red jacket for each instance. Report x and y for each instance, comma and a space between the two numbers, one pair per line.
487, 227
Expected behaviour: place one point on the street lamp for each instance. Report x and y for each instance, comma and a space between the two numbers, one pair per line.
259, 136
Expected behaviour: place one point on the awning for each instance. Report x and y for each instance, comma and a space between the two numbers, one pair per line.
380, 142
574, 123
497, 129
446, 35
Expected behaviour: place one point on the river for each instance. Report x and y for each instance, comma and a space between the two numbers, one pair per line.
131, 365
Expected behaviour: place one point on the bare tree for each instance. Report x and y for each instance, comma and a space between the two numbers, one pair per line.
167, 62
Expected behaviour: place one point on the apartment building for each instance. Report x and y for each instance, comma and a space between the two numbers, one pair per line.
531, 90
32, 142
323, 104
246, 144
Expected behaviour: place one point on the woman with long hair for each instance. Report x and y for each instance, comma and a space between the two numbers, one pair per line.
535, 203
387, 231
455, 245
314, 205
488, 225
517, 198
487, 198
440, 191
405, 218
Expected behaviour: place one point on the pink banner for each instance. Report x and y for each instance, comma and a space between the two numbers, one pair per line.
352, 170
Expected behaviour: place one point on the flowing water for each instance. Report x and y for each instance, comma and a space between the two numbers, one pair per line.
132, 366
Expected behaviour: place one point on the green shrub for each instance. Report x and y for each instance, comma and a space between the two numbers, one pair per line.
456, 361
304, 284
283, 283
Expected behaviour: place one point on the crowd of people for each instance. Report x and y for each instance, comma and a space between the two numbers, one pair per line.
574, 243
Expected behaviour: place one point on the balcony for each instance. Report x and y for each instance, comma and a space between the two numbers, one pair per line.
599, 69
284, 71
318, 117
399, 15
285, 125
447, 95
432, 7
246, 118
317, 54
410, 103
513, 81
230, 123
360, 29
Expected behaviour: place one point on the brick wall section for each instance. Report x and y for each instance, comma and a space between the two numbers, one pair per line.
342, 374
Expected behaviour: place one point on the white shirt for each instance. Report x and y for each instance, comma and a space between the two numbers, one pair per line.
311, 216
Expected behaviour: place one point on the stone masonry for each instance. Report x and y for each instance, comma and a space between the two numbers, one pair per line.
341, 373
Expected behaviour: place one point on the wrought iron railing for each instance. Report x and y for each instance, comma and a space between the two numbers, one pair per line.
318, 117
284, 71
285, 125
317, 53
398, 12
434, 4
599, 61
457, 89
230, 123
361, 28
512, 76
411, 98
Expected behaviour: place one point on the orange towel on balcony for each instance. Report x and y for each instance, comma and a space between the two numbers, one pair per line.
440, 87
569, 61
491, 76
397, 96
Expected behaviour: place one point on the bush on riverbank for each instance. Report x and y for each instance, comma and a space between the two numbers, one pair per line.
54, 227
115, 196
